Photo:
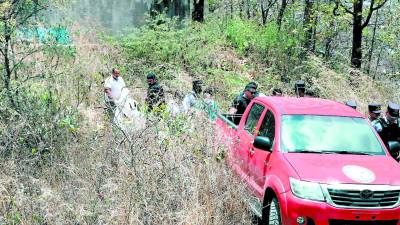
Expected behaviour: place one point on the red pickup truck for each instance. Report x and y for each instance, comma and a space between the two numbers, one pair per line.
311, 161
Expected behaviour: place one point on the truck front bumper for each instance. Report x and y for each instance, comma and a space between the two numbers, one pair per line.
321, 213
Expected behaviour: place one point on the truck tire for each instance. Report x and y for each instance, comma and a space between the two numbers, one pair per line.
272, 213
255, 220
274, 217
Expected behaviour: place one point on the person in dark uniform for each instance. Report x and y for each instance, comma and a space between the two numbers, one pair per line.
391, 127
241, 102
374, 115
155, 93
255, 85
351, 104
300, 88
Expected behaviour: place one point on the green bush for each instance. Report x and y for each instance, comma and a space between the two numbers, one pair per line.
242, 34
167, 46
39, 125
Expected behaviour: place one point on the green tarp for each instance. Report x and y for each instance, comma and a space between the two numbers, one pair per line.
59, 35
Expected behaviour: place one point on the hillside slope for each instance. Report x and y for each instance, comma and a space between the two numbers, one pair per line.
169, 173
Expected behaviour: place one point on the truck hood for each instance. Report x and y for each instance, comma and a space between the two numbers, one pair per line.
345, 169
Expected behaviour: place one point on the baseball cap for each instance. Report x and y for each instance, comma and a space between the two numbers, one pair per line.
151, 75
250, 86
299, 84
374, 108
197, 82
393, 109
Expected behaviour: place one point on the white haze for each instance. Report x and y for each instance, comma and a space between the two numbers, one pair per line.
115, 15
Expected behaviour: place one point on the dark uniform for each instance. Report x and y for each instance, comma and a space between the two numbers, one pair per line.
155, 96
375, 109
300, 88
240, 103
391, 127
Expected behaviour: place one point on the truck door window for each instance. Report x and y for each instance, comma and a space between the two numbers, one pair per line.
267, 128
253, 117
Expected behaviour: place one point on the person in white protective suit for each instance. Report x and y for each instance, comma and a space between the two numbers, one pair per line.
127, 116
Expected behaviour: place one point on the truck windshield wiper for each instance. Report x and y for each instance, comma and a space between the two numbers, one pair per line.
329, 152
347, 152
305, 151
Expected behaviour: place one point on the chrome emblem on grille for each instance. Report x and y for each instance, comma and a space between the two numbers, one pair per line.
366, 194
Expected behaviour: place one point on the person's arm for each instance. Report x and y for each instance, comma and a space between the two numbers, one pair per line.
234, 105
378, 127
150, 96
161, 95
232, 110
123, 82
108, 92
107, 88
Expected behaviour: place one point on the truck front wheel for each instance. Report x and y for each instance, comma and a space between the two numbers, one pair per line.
272, 213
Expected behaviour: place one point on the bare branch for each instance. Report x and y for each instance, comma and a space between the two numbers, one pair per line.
339, 4
371, 10
24, 57
32, 14
335, 9
380, 5
271, 3
347, 10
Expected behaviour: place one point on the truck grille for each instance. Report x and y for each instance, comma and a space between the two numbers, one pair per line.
364, 198
352, 222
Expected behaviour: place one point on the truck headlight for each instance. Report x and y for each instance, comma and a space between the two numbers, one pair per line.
306, 190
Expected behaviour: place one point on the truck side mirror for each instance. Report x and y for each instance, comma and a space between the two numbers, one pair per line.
394, 146
263, 143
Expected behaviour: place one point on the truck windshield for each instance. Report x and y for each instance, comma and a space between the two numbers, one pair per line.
328, 134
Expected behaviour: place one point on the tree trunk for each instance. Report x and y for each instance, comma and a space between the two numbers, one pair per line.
159, 7
248, 9
356, 51
371, 51
315, 19
241, 5
198, 11
281, 13
263, 13
231, 9
188, 8
378, 61
329, 39
7, 64
180, 9
308, 25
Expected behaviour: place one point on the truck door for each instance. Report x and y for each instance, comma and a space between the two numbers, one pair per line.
246, 135
259, 159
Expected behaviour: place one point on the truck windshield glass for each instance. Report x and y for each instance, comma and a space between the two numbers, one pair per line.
328, 134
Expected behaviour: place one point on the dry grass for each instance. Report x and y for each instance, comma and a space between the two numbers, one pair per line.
167, 174
159, 177
353, 86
